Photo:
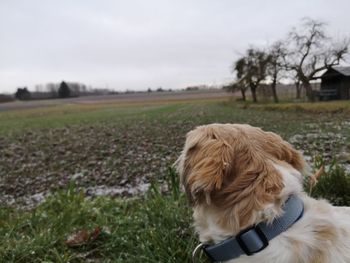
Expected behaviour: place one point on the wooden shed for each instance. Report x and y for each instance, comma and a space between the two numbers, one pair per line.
335, 84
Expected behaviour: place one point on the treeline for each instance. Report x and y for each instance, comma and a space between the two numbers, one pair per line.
58, 90
305, 52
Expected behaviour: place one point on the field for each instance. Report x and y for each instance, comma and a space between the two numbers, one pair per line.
106, 166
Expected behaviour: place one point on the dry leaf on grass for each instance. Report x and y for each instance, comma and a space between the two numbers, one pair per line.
82, 237
313, 178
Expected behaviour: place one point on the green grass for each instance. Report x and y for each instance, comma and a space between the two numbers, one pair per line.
40, 150
58, 116
316, 107
333, 184
153, 228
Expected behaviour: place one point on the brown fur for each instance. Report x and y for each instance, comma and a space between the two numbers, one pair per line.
231, 167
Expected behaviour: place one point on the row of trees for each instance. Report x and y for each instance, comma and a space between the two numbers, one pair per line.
65, 89
301, 56
61, 91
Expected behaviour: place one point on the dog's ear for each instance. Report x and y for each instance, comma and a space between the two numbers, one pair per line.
209, 170
282, 150
191, 142
203, 165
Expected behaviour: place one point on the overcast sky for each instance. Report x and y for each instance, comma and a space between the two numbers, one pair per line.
139, 44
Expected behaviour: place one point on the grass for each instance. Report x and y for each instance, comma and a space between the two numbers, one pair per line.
333, 183
43, 149
316, 107
59, 116
15, 121
153, 228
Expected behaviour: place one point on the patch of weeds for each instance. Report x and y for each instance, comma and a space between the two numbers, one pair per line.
332, 184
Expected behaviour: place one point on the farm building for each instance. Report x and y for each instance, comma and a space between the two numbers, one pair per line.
335, 84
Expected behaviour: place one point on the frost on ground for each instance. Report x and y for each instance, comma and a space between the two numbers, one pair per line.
327, 145
101, 160
123, 158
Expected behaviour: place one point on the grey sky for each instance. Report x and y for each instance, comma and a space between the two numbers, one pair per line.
139, 44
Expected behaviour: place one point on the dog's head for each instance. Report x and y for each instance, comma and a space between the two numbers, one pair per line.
231, 167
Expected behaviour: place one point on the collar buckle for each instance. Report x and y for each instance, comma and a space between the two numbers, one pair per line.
252, 240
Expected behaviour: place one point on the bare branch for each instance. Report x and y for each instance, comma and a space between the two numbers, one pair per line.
312, 51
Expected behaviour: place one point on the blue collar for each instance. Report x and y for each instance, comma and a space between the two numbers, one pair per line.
256, 238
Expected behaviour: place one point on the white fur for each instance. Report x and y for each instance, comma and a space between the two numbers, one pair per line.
302, 242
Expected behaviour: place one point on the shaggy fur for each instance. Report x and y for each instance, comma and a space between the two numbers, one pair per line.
237, 175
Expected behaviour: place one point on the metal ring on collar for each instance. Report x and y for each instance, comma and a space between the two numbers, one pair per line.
196, 252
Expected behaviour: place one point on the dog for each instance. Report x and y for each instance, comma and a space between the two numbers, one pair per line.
237, 177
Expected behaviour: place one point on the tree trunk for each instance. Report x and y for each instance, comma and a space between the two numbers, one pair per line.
253, 90
274, 92
243, 94
309, 92
298, 88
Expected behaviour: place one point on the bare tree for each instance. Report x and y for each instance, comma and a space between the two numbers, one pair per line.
52, 88
313, 51
39, 88
242, 85
251, 69
237, 86
276, 65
